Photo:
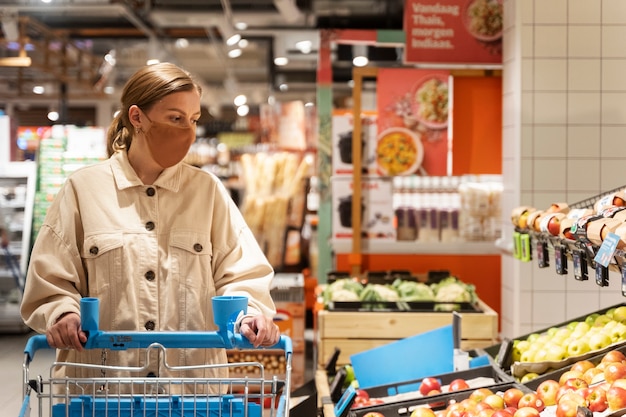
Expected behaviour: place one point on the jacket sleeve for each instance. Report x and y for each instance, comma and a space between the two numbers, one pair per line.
55, 279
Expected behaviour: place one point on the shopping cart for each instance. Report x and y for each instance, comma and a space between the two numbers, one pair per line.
248, 396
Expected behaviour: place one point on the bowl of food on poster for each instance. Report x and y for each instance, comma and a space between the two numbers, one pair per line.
399, 151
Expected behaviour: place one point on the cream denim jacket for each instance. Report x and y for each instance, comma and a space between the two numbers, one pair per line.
153, 254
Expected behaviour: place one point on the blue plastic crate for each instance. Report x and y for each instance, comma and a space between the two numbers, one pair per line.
166, 406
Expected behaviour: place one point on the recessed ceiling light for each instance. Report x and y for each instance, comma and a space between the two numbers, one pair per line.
240, 100
360, 61
281, 61
53, 115
235, 53
182, 43
39, 89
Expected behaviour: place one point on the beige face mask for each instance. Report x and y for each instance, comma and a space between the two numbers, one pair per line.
169, 144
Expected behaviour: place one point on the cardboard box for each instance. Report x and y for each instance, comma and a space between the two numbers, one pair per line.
376, 208
342, 158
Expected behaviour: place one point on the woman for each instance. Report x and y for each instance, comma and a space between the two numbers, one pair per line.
153, 238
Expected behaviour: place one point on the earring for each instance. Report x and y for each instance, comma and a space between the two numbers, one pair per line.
137, 130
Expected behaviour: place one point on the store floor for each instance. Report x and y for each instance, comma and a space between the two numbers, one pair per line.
12, 357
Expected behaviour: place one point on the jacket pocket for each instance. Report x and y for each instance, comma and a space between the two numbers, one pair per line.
190, 264
103, 257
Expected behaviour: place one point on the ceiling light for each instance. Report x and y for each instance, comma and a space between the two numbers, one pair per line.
243, 43
39, 89
152, 61
243, 110
235, 53
283, 87
182, 43
359, 54
240, 100
281, 61
360, 61
229, 35
109, 89
241, 25
304, 47
53, 115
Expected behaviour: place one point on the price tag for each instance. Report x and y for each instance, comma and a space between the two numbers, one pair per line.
602, 275
543, 260
560, 260
580, 265
525, 247
624, 280
517, 245
607, 250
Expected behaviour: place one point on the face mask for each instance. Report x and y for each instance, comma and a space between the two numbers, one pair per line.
169, 144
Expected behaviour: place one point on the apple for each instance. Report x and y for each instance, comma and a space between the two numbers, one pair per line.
614, 370
458, 384
531, 399
551, 223
616, 398
599, 341
566, 408
563, 389
485, 412
620, 314
433, 392
441, 413
568, 375
601, 320
573, 396
526, 412
578, 347
373, 414
617, 332
576, 383
422, 412
502, 413
495, 401
556, 353
547, 390
613, 356
591, 373
529, 376
480, 394
582, 366
429, 384
618, 383
455, 410
597, 400
512, 396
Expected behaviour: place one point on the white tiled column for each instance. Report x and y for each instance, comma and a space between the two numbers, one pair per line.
564, 131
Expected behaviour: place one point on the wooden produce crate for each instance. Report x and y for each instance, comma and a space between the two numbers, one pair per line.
357, 331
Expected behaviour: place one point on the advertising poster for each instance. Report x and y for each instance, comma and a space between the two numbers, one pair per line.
413, 118
453, 31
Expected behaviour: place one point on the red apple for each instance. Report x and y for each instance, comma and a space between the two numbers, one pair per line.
485, 412
429, 384
531, 399
617, 383
597, 400
616, 398
576, 383
495, 401
567, 408
479, 394
613, 356
503, 413
526, 412
614, 371
422, 412
547, 390
573, 396
569, 374
511, 396
582, 366
458, 385
433, 392
591, 373
455, 410
563, 389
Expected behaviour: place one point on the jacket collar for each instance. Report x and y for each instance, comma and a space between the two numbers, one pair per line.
126, 177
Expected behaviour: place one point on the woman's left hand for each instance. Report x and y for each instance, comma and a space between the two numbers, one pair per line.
261, 331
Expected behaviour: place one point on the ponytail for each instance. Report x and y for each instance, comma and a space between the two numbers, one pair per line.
118, 137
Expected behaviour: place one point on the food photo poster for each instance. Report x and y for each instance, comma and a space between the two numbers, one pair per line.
413, 119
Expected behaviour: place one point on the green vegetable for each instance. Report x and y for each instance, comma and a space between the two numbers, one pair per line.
413, 291
378, 292
345, 289
453, 290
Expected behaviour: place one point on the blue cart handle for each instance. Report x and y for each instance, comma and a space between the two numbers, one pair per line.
225, 337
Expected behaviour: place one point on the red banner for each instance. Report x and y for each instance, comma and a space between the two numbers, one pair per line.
453, 31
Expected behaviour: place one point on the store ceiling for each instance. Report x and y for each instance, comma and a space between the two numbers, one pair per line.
139, 30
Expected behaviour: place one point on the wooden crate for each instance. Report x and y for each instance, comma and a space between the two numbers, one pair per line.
357, 331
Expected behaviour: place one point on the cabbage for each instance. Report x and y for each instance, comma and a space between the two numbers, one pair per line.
413, 291
378, 292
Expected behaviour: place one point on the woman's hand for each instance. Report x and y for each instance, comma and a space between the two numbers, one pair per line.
260, 331
66, 333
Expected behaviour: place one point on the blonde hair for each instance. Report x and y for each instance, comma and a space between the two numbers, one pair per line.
144, 88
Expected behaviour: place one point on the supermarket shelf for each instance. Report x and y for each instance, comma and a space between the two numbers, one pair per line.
417, 248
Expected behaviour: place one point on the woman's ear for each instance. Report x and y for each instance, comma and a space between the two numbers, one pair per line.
134, 115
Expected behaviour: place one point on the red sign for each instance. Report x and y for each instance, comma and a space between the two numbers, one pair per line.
453, 31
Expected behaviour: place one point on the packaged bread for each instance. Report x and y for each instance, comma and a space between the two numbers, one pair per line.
597, 230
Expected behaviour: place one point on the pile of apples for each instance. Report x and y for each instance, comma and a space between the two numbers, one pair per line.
596, 332
599, 387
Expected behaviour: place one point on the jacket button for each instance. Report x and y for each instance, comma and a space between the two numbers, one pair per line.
93, 250
149, 275
149, 325
197, 247
150, 191
150, 226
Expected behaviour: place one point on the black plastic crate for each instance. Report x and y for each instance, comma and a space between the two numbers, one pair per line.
408, 306
487, 371
436, 402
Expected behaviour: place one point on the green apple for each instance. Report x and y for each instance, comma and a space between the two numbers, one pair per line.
528, 377
601, 320
556, 353
552, 331
599, 341
532, 337
609, 313
591, 318
541, 355
518, 348
528, 356
578, 347
582, 327
572, 325
620, 314
617, 332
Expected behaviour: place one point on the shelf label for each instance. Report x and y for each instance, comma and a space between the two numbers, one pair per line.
543, 260
560, 260
517, 245
525, 247
607, 250
580, 265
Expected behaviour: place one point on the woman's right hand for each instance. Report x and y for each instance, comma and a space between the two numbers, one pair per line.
66, 333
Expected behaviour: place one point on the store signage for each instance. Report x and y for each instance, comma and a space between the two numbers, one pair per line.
453, 31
